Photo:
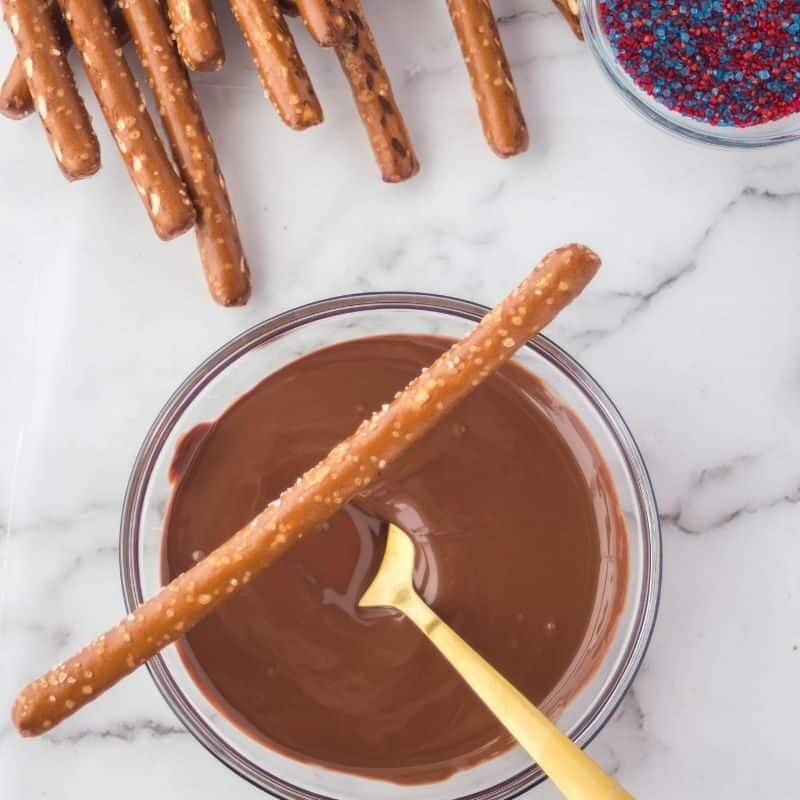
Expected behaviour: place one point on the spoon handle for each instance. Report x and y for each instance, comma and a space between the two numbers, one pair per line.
570, 769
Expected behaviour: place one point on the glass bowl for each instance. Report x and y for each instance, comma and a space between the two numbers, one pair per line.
777, 132
236, 368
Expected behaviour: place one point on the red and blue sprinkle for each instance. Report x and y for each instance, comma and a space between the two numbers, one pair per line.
719, 61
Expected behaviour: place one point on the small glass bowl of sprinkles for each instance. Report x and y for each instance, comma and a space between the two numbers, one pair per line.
723, 72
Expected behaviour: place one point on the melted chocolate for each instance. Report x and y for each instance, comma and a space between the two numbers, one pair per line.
520, 548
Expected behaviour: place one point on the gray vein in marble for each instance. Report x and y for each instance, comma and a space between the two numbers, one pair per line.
631, 710
519, 65
123, 731
67, 572
781, 166
416, 74
641, 300
488, 197
719, 472
437, 243
677, 521
612, 763
530, 13
630, 719
57, 635
766, 194
60, 522
711, 477
78, 562
391, 260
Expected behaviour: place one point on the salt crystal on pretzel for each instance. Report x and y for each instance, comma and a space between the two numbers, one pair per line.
194, 24
492, 84
151, 171
340, 477
372, 92
280, 67
226, 270
52, 87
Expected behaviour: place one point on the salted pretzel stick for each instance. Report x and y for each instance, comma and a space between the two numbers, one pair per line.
217, 236
342, 475
283, 73
374, 98
570, 10
161, 189
327, 21
52, 87
498, 105
15, 97
194, 24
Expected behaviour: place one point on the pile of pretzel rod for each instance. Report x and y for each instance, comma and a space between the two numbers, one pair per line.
187, 36
345, 473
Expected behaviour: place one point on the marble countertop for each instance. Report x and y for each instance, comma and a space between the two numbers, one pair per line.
692, 327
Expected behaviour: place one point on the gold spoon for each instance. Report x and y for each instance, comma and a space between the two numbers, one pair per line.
570, 769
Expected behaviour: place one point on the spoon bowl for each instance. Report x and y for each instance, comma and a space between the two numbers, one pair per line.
393, 584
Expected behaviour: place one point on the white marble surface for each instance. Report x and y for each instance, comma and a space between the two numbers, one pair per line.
692, 328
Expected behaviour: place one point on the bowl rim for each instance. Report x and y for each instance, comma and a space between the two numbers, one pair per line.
660, 115
262, 333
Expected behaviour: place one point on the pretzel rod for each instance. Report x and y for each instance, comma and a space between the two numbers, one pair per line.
282, 72
492, 84
16, 101
342, 475
151, 171
570, 10
15, 97
372, 92
52, 87
194, 24
217, 236
327, 21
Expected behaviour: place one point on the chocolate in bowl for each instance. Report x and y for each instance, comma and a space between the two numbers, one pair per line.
238, 367
518, 551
